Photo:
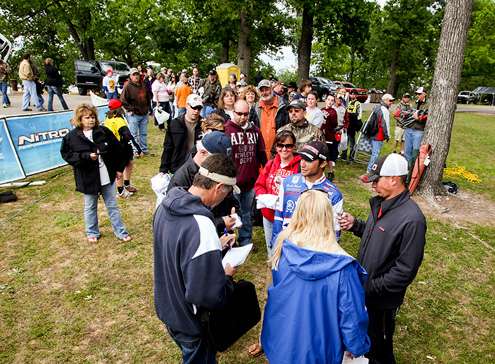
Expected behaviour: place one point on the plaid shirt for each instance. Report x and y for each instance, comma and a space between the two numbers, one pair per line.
194, 83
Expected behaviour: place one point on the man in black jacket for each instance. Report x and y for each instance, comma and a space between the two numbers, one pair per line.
182, 134
391, 250
212, 143
188, 274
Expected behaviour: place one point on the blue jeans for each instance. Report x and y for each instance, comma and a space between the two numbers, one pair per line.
91, 213
246, 200
194, 349
112, 95
412, 143
376, 147
138, 125
268, 229
30, 94
3, 90
54, 90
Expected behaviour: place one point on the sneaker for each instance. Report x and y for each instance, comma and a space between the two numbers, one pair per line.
364, 178
5, 106
131, 188
41, 109
28, 109
124, 194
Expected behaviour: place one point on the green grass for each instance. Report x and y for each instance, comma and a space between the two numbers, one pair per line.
64, 300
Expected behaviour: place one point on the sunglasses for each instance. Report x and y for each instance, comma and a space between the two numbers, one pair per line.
287, 146
197, 108
294, 110
242, 113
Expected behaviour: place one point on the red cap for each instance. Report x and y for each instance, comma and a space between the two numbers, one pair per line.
114, 104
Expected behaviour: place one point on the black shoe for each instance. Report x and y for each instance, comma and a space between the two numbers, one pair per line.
27, 109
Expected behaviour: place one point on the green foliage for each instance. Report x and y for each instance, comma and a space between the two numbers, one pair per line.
479, 59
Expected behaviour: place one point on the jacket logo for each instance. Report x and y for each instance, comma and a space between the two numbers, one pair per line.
290, 206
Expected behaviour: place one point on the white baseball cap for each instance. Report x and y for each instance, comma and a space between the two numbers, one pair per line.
387, 97
420, 90
391, 165
194, 100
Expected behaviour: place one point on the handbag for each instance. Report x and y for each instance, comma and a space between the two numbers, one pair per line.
225, 326
161, 115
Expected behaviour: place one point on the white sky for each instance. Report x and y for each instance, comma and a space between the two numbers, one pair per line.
286, 58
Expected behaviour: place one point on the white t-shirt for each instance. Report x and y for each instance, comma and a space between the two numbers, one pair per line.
111, 83
315, 116
104, 176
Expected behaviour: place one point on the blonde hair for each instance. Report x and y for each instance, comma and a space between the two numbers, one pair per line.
249, 88
213, 121
80, 111
311, 226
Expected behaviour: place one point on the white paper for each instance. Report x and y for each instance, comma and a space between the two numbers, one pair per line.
266, 201
358, 360
238, 221
236, 256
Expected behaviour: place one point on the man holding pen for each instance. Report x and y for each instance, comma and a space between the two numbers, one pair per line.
188, 272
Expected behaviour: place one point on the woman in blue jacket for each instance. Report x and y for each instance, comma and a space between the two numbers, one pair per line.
315, 309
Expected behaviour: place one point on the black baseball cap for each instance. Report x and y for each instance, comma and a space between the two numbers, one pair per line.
314, 150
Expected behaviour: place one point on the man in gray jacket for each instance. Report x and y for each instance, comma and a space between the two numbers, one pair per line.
391, 250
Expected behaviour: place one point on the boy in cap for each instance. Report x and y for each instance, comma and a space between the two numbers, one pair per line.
313, 163
402, 115
211, 93
117, 124
391, 250
413, 134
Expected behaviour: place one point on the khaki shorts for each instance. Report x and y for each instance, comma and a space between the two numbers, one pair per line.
399, 134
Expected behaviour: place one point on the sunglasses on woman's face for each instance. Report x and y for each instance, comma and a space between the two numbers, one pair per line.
287, 146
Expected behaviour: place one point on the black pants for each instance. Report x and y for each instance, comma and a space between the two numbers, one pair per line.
381, 329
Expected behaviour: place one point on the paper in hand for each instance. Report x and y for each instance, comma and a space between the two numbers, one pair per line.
238, 221
358, 360
236, 256
266, 201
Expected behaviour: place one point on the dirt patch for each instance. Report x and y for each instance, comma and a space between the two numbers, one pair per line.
463, 208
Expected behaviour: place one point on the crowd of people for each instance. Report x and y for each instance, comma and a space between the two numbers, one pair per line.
232, 150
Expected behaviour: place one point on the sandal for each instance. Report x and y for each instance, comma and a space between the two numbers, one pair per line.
255, 350
126, 238
92, 239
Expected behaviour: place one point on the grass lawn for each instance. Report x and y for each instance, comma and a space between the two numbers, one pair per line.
64, 300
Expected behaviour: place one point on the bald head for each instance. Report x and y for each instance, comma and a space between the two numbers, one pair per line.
241, 112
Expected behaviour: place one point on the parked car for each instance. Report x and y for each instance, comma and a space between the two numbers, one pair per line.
467, 97
323, 87
89, 74
362, 93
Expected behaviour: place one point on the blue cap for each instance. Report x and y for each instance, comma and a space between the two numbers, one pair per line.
217, 142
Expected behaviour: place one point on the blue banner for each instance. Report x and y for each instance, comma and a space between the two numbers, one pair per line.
36, 140
10, 167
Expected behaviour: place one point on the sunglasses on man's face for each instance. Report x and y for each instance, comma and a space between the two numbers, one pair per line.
287, 146
295, 110
242, 113
197, 108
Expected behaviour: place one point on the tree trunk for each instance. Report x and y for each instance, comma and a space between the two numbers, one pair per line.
393, 80
353, 59
304, 46
224, 56
446, 80
244, 48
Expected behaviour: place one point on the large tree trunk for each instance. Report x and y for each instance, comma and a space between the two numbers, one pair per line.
446, 80
244, 48
304, 46
224, 56
393, 81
